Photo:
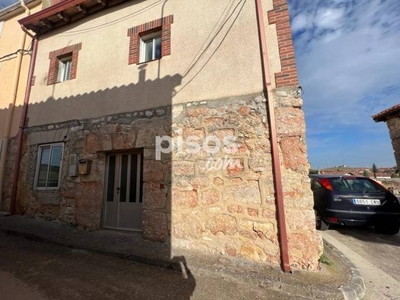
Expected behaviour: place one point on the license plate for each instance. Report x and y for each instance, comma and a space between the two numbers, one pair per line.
366, 202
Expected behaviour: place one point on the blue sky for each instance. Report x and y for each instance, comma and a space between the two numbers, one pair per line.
348, 59
4, 3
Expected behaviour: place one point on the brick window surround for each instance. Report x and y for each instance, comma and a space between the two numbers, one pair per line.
279, 15
134, 33
54, 62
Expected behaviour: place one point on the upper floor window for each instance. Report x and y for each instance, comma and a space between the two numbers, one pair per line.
48, 169
64, 68
63, 64
150, 47
150, 41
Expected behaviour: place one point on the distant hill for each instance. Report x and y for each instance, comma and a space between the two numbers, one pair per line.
384, 172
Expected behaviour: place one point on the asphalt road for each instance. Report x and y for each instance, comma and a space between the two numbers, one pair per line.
32, 270
377, 257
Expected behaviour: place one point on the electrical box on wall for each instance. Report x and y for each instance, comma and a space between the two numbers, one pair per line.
73, 165
84, 166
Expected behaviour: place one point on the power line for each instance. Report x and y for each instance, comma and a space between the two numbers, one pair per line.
23, 51
237, 8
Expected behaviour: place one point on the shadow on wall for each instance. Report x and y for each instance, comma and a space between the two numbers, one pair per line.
14, 125
126, 187
108, 101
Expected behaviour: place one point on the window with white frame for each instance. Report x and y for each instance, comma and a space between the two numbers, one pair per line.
150, 47
64, 68
48, 170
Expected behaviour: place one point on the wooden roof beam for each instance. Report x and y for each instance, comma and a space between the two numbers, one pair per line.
47, 23
62, 16
82, 9
102, 2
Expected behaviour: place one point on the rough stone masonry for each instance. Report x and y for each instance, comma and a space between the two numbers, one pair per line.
191, 200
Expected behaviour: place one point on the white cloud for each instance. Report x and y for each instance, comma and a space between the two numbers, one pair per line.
301, 22
349, 67
331, 36
329, 18
345, 71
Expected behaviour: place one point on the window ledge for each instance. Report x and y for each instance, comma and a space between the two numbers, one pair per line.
149, 61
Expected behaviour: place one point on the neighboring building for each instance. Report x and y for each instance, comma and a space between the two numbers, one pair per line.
14, 64
392, 118
114, 83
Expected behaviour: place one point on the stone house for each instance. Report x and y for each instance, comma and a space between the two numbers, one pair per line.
392, 118
14, 64
153, 117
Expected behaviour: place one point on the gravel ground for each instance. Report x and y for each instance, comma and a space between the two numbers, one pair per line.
35, 270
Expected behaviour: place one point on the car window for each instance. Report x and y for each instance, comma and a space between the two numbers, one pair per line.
315, 185
339, 184
358, 185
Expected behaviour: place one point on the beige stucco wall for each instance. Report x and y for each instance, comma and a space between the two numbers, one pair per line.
203, 65
9, 43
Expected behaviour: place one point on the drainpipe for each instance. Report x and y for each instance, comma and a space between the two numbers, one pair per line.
282, 234
22, 122
10, 112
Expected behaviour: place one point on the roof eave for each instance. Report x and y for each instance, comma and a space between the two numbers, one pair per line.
386, 114
64, 13
49, 11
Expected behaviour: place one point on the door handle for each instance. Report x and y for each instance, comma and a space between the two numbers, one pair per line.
118, 189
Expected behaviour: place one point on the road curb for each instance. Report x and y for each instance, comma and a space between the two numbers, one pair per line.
355, 288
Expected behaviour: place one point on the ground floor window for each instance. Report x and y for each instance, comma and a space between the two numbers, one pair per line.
48, 168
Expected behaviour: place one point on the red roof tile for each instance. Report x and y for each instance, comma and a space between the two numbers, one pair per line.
387, 113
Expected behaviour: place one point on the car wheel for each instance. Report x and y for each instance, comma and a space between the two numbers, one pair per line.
320, 223
388, 228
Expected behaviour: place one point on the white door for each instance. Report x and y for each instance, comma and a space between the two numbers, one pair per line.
123, 192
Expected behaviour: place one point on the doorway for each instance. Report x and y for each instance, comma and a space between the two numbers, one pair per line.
123, 192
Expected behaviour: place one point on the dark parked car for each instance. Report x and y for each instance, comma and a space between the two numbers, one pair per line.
354, 200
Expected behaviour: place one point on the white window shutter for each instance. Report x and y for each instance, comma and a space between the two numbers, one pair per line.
60, 75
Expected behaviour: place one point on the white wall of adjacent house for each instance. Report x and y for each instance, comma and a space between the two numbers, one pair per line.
214, 55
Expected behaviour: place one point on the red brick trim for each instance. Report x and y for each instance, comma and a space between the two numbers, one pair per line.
280, 16
134, 33
54, 55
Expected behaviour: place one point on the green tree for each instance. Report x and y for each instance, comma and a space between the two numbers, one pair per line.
313, 171
395, 174
366, 173
374, 169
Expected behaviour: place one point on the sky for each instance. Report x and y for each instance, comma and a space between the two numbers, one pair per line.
348, 59
5, 3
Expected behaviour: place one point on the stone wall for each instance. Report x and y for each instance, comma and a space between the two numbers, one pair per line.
394, 131
191, 200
